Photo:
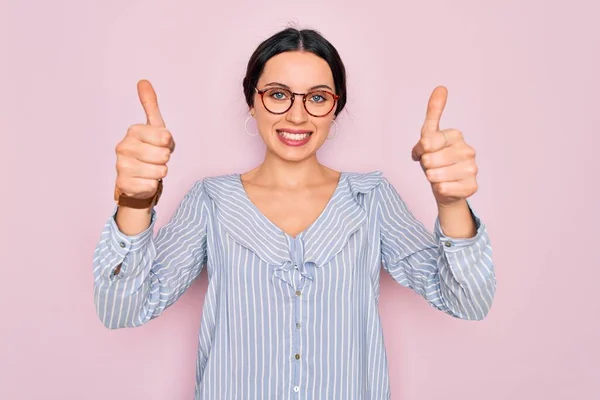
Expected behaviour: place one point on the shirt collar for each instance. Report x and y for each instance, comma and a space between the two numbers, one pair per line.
292, 260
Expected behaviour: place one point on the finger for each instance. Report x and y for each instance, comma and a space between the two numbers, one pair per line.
149, 101
430, 143
456, 189
155, 136
137, 169
151, 154
171, 144
435, 108
441, 158
435, 141
447, 156
452, 173
150, 171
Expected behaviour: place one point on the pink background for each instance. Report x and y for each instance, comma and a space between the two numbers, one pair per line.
523, 87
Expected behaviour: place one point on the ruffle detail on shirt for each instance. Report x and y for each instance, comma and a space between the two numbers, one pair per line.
363, 183
345, 219
292, 260
243, 223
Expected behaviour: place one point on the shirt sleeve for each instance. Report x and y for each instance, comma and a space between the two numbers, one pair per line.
154, 270
455, 276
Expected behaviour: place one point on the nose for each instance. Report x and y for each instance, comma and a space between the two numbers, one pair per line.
297, 114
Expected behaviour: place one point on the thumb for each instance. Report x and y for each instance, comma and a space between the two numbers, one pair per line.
150, 103
435, 107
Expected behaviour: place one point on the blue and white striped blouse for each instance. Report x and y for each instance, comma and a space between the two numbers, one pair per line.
285, 317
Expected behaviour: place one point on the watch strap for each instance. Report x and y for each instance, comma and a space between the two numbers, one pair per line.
132, 202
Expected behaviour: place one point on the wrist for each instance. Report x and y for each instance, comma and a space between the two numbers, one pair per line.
456, 219
135, 203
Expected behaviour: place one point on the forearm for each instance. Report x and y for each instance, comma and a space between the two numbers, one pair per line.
458, 279
452, 269
467, 278
138, 275
133, 221
456, 220
129, 301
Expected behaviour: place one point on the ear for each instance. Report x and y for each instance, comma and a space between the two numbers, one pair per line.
252, 111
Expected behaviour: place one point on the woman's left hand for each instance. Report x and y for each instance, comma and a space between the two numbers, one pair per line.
447, 160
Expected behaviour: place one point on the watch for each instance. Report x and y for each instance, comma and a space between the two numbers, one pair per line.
132, 202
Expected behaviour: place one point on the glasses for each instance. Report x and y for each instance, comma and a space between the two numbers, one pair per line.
317, 103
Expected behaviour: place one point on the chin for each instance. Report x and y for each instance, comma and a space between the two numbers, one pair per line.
294, 156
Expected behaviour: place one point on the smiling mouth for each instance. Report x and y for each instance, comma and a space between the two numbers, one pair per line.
289, 135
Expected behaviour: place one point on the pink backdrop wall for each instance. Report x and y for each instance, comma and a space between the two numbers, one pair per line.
523, 87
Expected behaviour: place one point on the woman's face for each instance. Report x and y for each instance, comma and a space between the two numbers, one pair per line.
296, 134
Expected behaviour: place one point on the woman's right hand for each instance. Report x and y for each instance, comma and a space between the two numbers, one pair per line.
143, 154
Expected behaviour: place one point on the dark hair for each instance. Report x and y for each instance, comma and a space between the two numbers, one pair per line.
291, 39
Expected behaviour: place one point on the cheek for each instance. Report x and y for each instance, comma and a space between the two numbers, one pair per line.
267, 123
323, 126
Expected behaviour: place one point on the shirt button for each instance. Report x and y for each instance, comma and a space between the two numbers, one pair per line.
448, 244
298, 325
296, 389
298, 293
122, 244
297, 356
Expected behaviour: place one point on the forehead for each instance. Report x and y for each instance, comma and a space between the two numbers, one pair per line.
299, 70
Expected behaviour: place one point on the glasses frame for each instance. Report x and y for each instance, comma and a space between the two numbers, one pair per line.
294, 94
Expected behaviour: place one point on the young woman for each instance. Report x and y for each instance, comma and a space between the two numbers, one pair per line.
293, 249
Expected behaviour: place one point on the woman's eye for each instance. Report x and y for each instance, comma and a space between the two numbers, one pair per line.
318, 97
278, 95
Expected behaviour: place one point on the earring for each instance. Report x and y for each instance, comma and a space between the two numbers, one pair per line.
246, 125
334, 124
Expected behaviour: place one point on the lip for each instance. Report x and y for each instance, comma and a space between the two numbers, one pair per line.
297, 131
294, 143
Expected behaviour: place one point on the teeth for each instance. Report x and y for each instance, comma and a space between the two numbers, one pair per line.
294, 136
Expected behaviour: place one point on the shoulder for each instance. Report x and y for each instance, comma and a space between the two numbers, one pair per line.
368, 183
217, 185
209, 188
373, 190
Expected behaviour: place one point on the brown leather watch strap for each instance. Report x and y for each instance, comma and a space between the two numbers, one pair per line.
131, 202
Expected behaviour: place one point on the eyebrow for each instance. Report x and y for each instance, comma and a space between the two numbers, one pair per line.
290, 89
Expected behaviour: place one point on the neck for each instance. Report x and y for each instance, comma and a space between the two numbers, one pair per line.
274, 171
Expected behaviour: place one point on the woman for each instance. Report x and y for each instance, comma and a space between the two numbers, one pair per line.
293, 248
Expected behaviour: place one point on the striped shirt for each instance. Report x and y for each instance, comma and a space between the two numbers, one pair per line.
290, 317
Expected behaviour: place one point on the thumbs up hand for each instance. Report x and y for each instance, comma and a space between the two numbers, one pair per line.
143, 154
447, 160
